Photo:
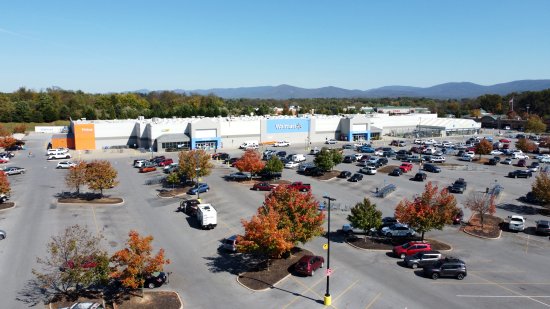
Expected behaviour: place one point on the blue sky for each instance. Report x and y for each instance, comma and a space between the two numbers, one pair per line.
104, 46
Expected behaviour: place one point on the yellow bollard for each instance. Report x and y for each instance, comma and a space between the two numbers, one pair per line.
328, 300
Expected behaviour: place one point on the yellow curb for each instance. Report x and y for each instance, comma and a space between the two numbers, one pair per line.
9, 207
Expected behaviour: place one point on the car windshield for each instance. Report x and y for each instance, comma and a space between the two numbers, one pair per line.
516, 220
405, 246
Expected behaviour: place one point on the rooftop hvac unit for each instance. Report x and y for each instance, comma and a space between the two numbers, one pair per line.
141, 117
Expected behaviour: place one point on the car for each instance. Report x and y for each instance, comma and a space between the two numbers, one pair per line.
420, 176
85, 305
3, 234
466, 158
520, 174
348, 146
388, 221
344, 174
65, 164
398, 230
330, 141
504, 140
521, 163
447, 267
155, 279
366, 149
406, 166
147, 169
308, 264
281, 154
437, 159
281, 144
544, 160
4, 160
534, 167
516, 223
458, 216
543, 227
410, 248
369, 170
229, 244
356, 177
171, 168
3, 197
303, 166
382, 161
13, 170
459, 186
292, 164
401, 156
492, 161
506, 161
165, 162
263, 186
413, 159
221, 156
190, 207
349, 159
139, 162
158, 159
517, 155
378, 152
496, 152
59, 156
199, 188
396, 172
239, 176
428, 167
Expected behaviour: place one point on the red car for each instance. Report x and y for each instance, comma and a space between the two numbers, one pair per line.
522, 163
411, 248
86, 264
165, 162
506, 146
263, 186
147, 169
308, 264
405, 167
2, 160
504, 140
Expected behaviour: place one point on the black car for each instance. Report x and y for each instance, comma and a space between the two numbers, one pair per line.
315, 171
349, 159
531, 199
496, 159
447, 267
420, 176
431, 168
344, 174
520, 174
388, 221
155, 279
396, 172
268, 175
543, 227
401, 156
281, 154
347, 146
356, 177
492, 161
459, 186
189, 207
382, 161
387, 154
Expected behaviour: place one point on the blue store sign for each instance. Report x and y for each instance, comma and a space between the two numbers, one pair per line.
287, 125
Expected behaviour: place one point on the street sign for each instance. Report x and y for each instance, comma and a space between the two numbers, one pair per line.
328, 272
325, 246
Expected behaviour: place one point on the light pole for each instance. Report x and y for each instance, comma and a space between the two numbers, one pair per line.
197, 170
328, 298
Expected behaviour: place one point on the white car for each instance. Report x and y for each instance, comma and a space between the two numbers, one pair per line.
418, 141
517, 223
292, 164
59, 156
281, 144
378, 153
466, 158
369, 170
539, 157
358, 156
496, 152
544, 160
66, 164
520, 156
330, 141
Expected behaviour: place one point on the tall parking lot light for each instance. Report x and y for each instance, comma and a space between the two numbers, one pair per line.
197, 171
328, 298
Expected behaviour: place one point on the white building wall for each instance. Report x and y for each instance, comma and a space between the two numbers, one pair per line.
106, 129
240, 126
327, 124
168, 126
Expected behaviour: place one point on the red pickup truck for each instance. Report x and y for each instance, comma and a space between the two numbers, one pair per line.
300, 186
405, 167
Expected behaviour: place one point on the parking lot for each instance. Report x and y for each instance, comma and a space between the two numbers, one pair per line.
511, 272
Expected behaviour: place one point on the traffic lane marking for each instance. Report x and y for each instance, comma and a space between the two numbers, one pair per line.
307, 289
374, 300
345, 290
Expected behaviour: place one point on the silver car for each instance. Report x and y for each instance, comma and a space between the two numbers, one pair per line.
12, 170
398, 230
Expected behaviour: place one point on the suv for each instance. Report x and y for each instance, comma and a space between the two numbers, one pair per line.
459, 186
447, 267
411, 248
397, 230
189, 207
229, 244
543, 227
422, 259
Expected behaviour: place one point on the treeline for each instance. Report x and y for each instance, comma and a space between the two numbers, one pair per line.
53, 104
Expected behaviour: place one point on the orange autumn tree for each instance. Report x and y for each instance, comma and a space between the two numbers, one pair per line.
264, 236
250, 162
76, 176
4, 184
431, 210
101, 175
135, 262
7, 142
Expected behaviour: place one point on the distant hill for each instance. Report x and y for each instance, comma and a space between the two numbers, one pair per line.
453, 90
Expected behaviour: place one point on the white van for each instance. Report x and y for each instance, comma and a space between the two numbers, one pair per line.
57, 151
298, 158
250, 145
207, 216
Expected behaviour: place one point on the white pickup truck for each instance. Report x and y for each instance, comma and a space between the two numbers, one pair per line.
517, 223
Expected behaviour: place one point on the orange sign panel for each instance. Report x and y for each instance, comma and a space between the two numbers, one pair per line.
84, 136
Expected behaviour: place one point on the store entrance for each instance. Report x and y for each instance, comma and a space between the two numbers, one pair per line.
209, 145
359, 137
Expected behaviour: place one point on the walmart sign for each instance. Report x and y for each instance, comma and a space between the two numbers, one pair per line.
287, 125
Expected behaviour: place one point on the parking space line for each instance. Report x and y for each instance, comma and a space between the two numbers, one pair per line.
308, 289
374, 300
527, 244
345, 290
95, 220
514, 292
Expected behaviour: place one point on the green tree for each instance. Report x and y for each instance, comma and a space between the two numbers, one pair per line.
541, 188
337, 156
173, 179
75, 260
101, 175
324, 159
365, 216
274, 165
194, 163
535, 125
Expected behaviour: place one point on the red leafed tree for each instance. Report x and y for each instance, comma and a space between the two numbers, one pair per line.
133, 263
264, 236
431, 210
7, 142
4, 184
299, 213
482, 204
250, 162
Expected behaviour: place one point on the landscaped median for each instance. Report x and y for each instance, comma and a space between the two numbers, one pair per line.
387, 243
149, 299
261, 277
7, 205
90, 199
490, 230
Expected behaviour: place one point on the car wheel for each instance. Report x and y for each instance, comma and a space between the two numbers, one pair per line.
207, 190
312, 273
460, 276
151, 285
2, 237
414, 266
435, 276
403, 255
322, 265
257, 189
388, 234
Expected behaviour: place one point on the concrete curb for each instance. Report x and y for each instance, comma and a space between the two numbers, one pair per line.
385, 250
14, 204
175, 196
93, 204
262, 290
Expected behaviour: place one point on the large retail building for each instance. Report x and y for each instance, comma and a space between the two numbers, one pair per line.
161, 134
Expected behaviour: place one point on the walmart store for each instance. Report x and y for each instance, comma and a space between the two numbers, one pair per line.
213, 133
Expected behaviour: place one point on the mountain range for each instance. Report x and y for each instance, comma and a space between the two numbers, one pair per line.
453, 90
